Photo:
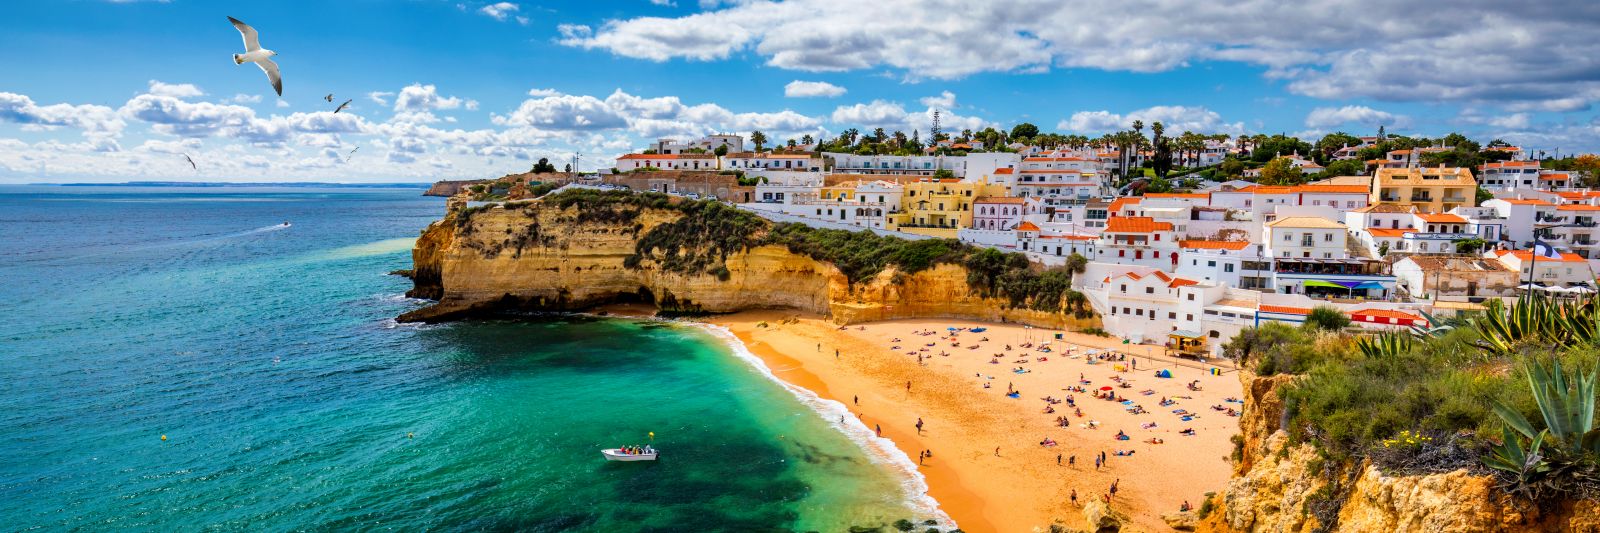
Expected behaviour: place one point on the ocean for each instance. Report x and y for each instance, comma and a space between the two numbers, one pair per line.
172, 359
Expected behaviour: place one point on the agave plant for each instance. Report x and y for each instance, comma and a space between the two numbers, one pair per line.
1524, 464
1436, 327
1383, 345
1566, 403
1537, 320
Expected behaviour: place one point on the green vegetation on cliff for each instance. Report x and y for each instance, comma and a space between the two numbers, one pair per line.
700, 242
1427, 402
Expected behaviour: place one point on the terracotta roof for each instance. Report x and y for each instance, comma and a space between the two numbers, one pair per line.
1054, 159
1385, 313
1385, 208
1006, 170
1136, 225
1578, 207
1285, 310
1441, 218
1389, 233
1196, 195
1525, 255
1000, 200
1267, 189
1116, 205
1305, 222
1554, 177
1181, 282
1524, 201
1027, 226
1509, 164
668, 156
1352, 189
1578, 195
1213, 245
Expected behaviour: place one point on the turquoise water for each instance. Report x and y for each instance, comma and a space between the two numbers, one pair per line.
291, 401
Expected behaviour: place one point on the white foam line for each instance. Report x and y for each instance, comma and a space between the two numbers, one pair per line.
879, 449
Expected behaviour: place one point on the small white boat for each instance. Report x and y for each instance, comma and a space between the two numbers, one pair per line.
616, 454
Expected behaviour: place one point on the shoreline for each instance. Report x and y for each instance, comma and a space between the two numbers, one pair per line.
1022, 487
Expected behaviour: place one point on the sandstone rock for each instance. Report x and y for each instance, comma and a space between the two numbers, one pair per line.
1102, 518
1181, 521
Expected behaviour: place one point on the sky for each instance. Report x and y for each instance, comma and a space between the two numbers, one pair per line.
107, 91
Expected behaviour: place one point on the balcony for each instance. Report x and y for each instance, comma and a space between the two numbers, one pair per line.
1421, 198
1455, 200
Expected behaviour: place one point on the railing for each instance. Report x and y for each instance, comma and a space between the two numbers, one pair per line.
1455, 199
1415, 198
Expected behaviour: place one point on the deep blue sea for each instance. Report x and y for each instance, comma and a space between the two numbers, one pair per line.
289, 400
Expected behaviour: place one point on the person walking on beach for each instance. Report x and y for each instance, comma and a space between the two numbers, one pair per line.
879, 429
1058, 459
996, 451
921, 456
1097, 464
1074, 496
919, 425
856, 399
1072, 461
908, 387
836, 353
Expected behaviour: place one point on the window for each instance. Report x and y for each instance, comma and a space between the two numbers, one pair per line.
1211, 264
1327, 237
1124, 287
1138, 312
1288, 237
1188, 317
1227, 267
1172, 316
1191, 297
1149, 290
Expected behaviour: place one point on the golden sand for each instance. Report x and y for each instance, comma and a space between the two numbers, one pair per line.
1021, 487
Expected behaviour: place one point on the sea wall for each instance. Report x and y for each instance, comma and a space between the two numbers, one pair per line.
530, 255
1279, 486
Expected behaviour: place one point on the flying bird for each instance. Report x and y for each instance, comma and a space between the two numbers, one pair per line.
329, 97
342, 106
254, 53
351, 154
191, 162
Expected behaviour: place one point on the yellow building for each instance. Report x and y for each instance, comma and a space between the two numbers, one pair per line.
939, 207
1430, 190
842, 192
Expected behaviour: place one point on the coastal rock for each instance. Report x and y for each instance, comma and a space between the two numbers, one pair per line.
1279, 487
1180, 521
528, 255
1102, 518
449, 188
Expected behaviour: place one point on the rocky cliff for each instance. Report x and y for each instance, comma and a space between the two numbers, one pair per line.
449, 188
1283, 487
537, 256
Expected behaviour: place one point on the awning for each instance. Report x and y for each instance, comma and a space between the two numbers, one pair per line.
1187, 334
1320, 283
1369, 285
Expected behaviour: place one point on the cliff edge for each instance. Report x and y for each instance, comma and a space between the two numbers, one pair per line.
543, 255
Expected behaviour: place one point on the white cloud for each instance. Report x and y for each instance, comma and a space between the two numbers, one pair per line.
380, 97
1330, 117
419, 98
1479, 51
543, 92
1513, 121
812, 89
667, 3
500, 11
879, 113
242, 98
92, 119
945, 100
1176, 119
175, 90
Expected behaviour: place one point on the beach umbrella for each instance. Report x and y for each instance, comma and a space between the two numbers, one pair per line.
1579, 289
1105, 388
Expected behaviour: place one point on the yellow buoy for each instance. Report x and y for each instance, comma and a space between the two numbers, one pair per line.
163, 438
408, 435
652, 435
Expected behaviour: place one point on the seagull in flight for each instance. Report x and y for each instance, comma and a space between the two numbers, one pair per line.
351, 154
329, 97
342, 106
254, 53
191, 162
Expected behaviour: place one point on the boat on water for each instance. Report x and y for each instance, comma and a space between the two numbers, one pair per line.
284, 225
634, 453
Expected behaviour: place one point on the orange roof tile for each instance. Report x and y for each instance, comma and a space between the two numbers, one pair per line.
1386, 313
1578, 195
1136, 225
1352, 189
1196, 195
1181, 282
1441, 218
1525, 255
1578, 207
1389, 233
1000, 200
1285, 310
1027, 226
1116, 205
1267, 189
1213, 245
1554, 177
1006, 170
1525, 201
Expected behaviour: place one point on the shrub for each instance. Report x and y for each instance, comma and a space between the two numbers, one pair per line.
1327, 319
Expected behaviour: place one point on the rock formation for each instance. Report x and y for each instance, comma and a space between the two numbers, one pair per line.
536, 256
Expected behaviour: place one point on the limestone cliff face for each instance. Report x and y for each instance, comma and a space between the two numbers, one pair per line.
449, 188
535, 256
1279, 487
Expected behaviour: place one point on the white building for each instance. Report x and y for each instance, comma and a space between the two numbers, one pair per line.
633, 162
708, 144
914, 165
1306, 237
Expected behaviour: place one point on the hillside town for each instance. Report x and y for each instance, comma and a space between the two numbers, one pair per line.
1187, 240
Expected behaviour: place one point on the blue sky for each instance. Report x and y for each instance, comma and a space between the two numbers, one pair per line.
114, 91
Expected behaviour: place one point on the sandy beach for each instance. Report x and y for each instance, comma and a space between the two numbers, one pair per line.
869, 367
